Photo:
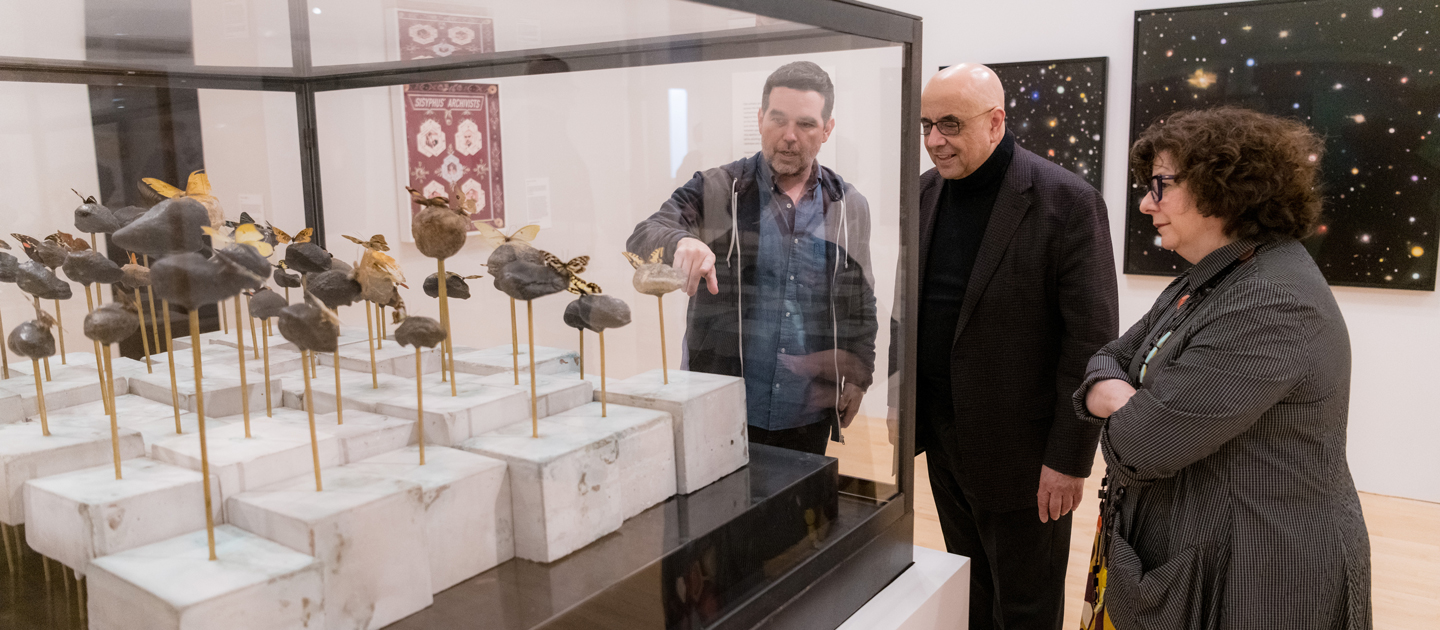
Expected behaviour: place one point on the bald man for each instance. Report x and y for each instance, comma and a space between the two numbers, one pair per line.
1017, 292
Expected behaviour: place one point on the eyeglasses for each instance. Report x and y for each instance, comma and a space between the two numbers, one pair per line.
1157, 186
949, 127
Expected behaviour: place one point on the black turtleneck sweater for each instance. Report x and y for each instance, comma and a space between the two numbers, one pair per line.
961, 215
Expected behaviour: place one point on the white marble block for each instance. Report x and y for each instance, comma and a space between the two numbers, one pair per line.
26, 453
12, 407
281, 361
647, 450
709, 418
21, 365
554, 393
449, 420
69, 386
357, 389
78, 516
173, 585
467, 508
221, 389
564, 485
368, 530
276, 451
392, 359
182, 342
363, 435
499, 359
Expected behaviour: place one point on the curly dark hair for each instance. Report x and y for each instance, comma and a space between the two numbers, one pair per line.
1258, 172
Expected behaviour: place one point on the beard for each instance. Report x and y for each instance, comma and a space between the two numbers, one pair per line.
787, 165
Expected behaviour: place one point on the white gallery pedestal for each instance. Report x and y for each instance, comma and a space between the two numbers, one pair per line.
78, 516
500, 359
69, 386
221, 388
356, 388
475, 409
12, 407
26, 453
554, 393
933, 594
276, 451
467, 508
709, 419
153, 420
647, 451
173, 585
564, 486
364, 434
391, 359
369, 531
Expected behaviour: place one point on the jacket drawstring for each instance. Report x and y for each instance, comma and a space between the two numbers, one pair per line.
739, 264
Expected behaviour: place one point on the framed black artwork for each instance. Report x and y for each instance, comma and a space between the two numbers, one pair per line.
1056, 109
1362, 75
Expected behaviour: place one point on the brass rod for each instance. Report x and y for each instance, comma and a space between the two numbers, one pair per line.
200, 421
445, 316
370, 340
60, 326
244, 388
40, 398
114, 422
4, 353
420, 404
265, 339
144, 340
339, 413
170, 353
99, 363
515, 343
664, 360
530, 329
310, 411
603, 411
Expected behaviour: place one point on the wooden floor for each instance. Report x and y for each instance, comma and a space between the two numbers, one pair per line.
1404, 534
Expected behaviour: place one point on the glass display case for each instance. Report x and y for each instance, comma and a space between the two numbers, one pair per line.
590, 120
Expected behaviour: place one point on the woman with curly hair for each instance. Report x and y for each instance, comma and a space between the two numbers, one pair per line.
1229, 502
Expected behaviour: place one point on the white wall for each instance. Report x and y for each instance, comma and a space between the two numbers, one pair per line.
46, 148
1395, 335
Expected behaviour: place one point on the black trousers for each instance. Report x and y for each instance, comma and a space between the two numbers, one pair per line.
1017, 563
810, 438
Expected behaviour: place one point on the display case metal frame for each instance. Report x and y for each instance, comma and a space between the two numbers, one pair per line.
825, 589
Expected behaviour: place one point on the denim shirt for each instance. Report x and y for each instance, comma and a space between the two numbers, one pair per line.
791, 283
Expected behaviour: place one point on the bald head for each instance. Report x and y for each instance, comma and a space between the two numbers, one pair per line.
968, 95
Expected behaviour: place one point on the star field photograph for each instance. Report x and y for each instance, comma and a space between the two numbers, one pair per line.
1056, 109
1361, 74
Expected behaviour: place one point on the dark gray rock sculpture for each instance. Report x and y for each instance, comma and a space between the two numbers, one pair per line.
173, 226
35, 279
32, 340
91, 267
419, 332
307, 258
527, 281
306, 326
266, 304
111, 323
597, 313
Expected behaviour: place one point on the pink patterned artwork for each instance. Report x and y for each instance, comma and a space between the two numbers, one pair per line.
452, 130
428, 35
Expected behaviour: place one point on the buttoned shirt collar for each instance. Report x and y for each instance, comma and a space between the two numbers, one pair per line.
1218, 260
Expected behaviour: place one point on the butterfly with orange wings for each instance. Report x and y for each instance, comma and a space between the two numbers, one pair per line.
303, 236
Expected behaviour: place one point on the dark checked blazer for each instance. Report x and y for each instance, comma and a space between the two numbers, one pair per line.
1041, 300
1233, 502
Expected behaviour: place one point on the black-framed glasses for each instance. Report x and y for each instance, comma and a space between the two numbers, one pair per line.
949, 126
1157, 186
